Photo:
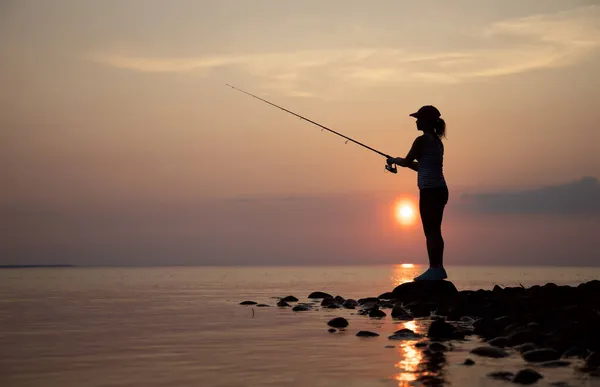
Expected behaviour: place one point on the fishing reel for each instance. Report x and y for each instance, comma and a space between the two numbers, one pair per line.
391, 168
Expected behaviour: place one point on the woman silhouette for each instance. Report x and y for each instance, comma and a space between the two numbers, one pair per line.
426, 157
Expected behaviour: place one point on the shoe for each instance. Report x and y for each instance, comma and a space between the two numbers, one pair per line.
432, 274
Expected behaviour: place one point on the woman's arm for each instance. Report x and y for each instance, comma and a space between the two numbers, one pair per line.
410, 160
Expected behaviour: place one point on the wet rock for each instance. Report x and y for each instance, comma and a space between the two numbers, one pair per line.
575, 351
262, 306
387, 296
488, 351
350, 304
399, 313
289, 299
527, 376
338, 322
593, 360
404, 334
554, 364
437, 347
319, 295
283, 304
523, 336
376, 313
420, 308
390, 346
367, 334
333, 306
501, 375
540, 355
441, 330
332, 330
421, 344
469, 362
499, 342
248, 303
301, 308
339, 299
386, 304
425, 291
368, 300
328, 301
526, 347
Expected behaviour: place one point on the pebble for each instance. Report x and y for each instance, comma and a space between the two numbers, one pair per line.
301, 308
488, 351
283, 304
289, 299
248, 303
527, 376
540, 355
367, 334
469, 362
376, 313
338, 322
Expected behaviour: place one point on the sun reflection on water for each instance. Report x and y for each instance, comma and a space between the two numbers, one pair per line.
404, 273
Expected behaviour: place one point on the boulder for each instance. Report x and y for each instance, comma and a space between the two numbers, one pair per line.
319, 295
425, 291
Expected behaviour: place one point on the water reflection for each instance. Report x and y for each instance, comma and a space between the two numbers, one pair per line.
419, 366
404, 273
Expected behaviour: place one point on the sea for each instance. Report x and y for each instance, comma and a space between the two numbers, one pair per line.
184, 326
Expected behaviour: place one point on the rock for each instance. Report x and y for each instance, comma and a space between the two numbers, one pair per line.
421, 344
328, 301
338, 322
319, 295
289, 299
554, 364
540, 355
469, 362
339, 299
575, 352
499, 342
399, 313
404, 334
526, 347
501, 375
522, 336
440, 329
282, 304
368, 300
390, 346
350, 304
387, 296
425, 291
488, 351
593, 360
376, 313
248, 303
437, 347
497, 289
367, 334
332, 330
262, 306
421, 308
527, 376
301, 308
333, 306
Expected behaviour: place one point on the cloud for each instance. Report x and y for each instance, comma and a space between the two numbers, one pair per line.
579, 197
509, 47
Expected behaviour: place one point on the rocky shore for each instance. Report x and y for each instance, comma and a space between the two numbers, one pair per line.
548, 326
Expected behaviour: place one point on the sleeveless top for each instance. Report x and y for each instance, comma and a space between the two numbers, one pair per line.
431, 157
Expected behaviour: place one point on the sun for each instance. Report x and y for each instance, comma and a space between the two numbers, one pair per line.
404, 212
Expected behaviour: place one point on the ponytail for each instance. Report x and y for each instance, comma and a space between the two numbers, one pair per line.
440, 128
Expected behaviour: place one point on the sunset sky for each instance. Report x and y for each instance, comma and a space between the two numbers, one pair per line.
121, 144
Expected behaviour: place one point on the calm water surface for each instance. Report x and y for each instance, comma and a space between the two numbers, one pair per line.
182, 326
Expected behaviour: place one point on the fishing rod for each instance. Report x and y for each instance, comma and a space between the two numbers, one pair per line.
390, 168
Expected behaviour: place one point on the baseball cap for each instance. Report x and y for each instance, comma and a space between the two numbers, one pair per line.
427, 112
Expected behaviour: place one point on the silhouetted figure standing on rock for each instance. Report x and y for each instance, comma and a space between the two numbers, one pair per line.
426, 158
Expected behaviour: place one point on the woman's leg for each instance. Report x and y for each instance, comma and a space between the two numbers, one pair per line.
431, 206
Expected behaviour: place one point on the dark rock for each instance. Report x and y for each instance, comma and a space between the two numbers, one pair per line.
437, 347
301, 308
575, 352
328, 301
390, 346
527, 376
526, 347
501, 375
421, 344
421, 308
332, 330
339, 299
386, 304
540, 355
368, 300
262, 306
367, 334
387, 296
469, 362
333, 306
376, 313
248, 303
398, 312
497, 289
440, 329
350, 304
319, 295
523, 336
338, 322
593, 360
499, 342
425, 291
404, 334
554, 364
487, 351
282, 303
289, 299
